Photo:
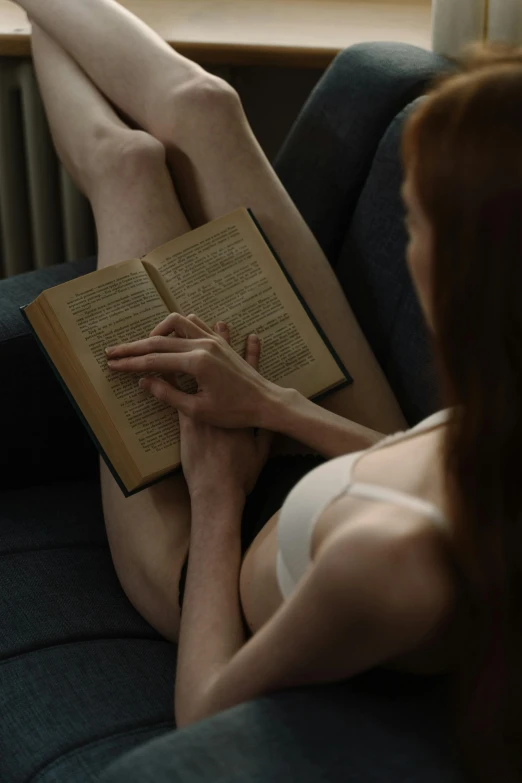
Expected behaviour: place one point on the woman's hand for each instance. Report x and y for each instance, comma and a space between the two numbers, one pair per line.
230, 391
221, 462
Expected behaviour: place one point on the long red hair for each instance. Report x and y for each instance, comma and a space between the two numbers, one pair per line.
463, 147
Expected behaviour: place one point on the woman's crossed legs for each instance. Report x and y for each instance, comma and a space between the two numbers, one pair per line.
197, 138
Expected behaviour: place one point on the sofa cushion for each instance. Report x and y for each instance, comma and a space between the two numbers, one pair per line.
42, 437
327, 156
373, 272
83, 677
341, 166
380, 727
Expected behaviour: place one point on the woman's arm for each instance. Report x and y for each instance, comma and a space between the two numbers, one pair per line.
287, 412
211, 631
375, 592
231, 392
342, 619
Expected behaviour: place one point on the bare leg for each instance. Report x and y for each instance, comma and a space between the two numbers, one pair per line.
128, 61
123, 172
217, 165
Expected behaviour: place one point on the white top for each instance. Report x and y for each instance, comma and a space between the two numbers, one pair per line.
322, 486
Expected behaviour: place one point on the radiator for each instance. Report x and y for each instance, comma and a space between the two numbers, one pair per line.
44, 219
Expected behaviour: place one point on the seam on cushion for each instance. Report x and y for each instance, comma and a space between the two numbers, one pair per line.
393, 330
73, 642
12, 339
94, 743
103, 546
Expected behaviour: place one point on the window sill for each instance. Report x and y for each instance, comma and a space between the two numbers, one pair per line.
294, 33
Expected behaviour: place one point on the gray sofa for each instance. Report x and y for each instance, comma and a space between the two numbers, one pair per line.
85, 683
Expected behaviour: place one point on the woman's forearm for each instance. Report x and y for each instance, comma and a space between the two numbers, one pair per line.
212, 628
291, 414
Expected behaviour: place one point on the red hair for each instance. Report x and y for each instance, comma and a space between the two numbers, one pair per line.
463, 148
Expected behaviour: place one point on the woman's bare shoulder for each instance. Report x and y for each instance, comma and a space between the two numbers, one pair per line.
401, 562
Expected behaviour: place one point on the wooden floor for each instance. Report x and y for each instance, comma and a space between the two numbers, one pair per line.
294, 33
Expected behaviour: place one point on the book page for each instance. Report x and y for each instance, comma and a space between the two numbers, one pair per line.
114, 305
226, 271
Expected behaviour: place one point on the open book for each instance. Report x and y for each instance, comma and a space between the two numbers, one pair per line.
225, 270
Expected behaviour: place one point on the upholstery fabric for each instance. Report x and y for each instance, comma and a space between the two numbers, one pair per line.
373, 272
83, 677
42, 437
327, 156
378, 728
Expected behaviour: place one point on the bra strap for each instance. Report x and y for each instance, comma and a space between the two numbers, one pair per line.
387, 495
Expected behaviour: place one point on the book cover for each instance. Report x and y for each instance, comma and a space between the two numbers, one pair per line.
127, 493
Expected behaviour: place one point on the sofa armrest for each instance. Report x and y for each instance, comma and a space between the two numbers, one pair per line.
42, 437
381, 727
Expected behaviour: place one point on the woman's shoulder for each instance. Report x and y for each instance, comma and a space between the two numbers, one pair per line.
433, 421
398, 567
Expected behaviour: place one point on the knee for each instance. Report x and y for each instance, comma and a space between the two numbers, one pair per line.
124, 155
210, 92
201, 106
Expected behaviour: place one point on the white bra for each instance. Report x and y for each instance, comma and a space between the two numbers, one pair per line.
322, 486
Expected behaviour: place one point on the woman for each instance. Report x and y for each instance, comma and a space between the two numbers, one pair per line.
403, 555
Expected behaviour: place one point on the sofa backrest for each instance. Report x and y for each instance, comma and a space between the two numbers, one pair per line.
373, 272
341, 165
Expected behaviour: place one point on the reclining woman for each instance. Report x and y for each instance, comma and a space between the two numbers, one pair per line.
398, 552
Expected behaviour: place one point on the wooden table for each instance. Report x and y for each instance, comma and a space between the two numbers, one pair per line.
295, 33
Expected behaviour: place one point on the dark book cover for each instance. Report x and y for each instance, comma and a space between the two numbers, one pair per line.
88, 427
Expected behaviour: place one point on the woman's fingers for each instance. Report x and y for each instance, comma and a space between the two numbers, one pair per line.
165, 363
165, 327
169, 394
189, 327
150, 345
253, 350
223, 331
202, 325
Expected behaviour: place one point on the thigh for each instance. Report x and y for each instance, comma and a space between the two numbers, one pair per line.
218, 166
149, 535
136, 209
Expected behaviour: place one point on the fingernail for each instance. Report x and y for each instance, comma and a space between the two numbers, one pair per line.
142, 383
112, 363
221, 327
254, 338
109, 350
